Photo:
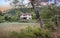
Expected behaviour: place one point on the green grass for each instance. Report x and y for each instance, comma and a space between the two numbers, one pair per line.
7, 27
18, 24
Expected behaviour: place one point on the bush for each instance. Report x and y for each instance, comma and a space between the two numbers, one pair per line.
31, 33
50, 26
35, 33
14, 35
11, 18
2, 19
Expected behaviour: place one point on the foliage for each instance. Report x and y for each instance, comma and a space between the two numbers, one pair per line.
49, 16
2, 19
14, 35
50, 26
49, 12
14, 2
14, 15
1, 14
36, 33
31, 33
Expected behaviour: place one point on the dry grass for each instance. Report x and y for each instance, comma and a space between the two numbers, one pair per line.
7, 28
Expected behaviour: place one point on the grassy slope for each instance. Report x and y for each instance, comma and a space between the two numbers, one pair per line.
5, 28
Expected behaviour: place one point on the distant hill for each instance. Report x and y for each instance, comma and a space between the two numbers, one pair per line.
19, 10
4, 8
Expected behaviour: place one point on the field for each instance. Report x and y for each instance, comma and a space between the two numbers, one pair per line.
6, 28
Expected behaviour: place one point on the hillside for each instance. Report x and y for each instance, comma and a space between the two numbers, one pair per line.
4, 8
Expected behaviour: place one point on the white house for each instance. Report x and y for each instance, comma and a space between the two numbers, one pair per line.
26, 16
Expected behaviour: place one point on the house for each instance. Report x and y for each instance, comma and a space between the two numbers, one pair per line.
26, 16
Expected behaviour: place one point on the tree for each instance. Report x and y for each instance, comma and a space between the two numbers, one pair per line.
34, 3
17, 3
14, 2
51, 15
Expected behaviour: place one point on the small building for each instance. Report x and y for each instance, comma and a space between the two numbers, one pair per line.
26, 16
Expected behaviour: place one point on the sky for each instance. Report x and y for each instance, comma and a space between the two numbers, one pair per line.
52, 1
5, 2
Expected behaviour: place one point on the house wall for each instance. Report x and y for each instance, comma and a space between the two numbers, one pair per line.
26, 16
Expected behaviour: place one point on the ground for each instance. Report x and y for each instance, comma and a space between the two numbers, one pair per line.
6, 28
57, 33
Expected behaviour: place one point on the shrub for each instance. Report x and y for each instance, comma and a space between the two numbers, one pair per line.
35, 33
14, 35
31, 33
50, 26
2, 19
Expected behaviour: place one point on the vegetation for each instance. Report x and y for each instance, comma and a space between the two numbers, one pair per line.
30, 32
48, 16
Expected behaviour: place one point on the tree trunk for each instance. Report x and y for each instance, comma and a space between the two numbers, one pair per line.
37, 15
